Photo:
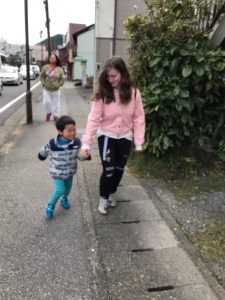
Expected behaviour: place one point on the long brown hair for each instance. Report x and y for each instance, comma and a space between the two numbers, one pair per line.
58, 62
105, 90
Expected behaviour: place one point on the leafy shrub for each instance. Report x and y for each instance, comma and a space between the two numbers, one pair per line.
180, 77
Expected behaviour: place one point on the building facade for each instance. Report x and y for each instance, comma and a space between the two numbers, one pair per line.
38, 55
84, 61
70, 46
110, 37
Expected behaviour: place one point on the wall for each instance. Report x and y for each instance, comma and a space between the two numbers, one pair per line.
85, 48
108, 39
104, 18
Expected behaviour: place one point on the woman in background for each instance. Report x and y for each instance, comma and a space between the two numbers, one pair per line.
52, 78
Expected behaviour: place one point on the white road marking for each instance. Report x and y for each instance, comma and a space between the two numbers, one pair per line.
17, 99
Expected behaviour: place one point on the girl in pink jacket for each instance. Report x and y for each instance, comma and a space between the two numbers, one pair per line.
116, 117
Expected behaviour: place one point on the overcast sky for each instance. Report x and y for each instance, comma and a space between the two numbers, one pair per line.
61, 13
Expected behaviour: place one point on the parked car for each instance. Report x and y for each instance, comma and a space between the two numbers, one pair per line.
23, 72
1, 87
10, 75
36, 70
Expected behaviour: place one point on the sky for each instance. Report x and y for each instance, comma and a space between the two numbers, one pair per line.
61, 13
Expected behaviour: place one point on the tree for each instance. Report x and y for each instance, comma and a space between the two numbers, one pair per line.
181, 78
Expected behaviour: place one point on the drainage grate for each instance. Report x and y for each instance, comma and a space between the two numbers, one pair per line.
142, 250
161, 288
130, 222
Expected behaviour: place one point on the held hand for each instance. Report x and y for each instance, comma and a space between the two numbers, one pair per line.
84, 153
138, 151
88, 153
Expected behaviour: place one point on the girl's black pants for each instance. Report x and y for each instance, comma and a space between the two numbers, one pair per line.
114, 154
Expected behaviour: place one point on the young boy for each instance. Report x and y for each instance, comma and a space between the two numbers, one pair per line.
64, 151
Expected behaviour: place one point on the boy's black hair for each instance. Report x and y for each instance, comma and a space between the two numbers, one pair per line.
63, 121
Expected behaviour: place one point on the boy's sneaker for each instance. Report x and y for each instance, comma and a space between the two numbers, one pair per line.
49, 212
112, 202
65, 203
102, 207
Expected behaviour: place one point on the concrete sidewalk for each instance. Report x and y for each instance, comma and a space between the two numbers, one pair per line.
130, 254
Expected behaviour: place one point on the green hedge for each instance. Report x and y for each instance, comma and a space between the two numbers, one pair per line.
181, 79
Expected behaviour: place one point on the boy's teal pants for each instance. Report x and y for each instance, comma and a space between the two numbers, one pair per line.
62, 190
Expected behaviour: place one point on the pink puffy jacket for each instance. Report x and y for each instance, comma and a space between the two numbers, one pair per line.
117, 118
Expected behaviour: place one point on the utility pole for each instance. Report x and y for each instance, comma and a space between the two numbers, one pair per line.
114, 30
41, 48
28, 92
48, 27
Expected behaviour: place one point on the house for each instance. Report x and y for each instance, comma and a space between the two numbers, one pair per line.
84, 60
109, 28
3, 58
38, 54
62, 50
70, 46
15, 51
110, 38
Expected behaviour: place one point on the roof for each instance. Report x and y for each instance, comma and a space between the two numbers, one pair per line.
80, 58
62, 47
1, 54
73, 28
92, 26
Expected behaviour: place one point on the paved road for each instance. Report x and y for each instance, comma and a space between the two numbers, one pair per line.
11, 92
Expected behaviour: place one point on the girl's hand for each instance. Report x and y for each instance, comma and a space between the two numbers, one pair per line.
84, 153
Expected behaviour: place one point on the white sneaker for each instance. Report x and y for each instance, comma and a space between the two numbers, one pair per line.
112, 202
102, 207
